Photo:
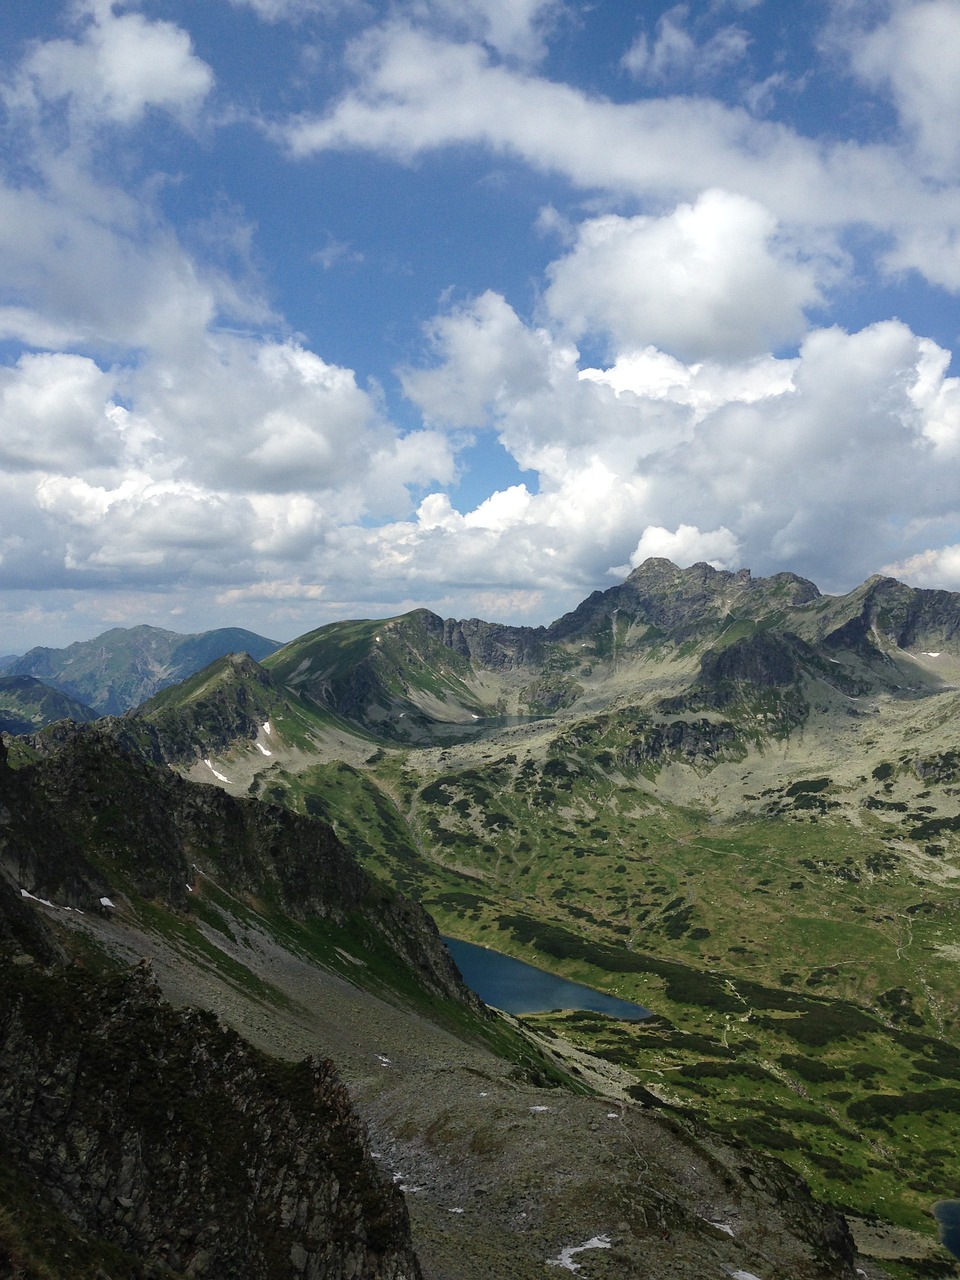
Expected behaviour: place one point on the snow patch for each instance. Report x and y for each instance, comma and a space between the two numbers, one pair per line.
458, 1210
536, 1109
214, 772
925, 654
266, 727
566, 1255
105, 902
383, 1060
742, 1275
44, 902
263, 750
722, 1226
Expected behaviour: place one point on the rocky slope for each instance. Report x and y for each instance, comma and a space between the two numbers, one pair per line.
167, 1139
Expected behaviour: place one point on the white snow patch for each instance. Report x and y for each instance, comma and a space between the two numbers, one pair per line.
214, 772
613, 1115
535, 1109
455, 1211
44, 902
383, 1060
566, 1255
925, 654
189, 888
105, 902
484, 1095
263, 750
722, 1226
404, 1187
266, 727
473, 717
742, 1275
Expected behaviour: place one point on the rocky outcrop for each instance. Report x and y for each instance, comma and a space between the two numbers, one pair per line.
696, 742
683, 603
166, 1136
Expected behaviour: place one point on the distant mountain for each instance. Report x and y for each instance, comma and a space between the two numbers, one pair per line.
123, 667
27, 704
6, 659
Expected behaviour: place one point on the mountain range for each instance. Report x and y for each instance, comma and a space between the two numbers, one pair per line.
734, 800
126, 665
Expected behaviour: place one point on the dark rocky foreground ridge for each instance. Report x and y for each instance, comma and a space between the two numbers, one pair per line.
171, 1147
147, 1141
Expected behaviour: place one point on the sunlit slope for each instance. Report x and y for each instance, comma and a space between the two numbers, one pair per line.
380, 674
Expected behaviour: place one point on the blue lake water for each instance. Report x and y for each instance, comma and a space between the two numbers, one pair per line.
517, 987
947, 1214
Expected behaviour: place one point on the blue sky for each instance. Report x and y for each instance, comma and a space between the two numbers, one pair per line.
316, 309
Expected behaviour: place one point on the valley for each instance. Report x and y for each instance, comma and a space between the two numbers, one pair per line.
731, 800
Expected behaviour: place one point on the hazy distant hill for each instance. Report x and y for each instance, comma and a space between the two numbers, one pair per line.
123, 667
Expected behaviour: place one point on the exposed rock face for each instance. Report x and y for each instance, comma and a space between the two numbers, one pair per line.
761, 659
683, 602
693, 741
170, 1138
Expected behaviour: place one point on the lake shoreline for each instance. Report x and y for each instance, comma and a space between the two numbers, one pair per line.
517, 987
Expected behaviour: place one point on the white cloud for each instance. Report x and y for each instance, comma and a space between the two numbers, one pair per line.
810, 462
687, 545
675, 52
915, 55
708, 280
515, 29
938, 568
296, 10
120, 66
415, 93
55, 414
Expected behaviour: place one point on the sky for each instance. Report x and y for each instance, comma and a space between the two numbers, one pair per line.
322, 309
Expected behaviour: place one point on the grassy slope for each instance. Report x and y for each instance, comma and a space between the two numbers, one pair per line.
800, 956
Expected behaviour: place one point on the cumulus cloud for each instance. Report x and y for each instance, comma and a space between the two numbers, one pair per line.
118, 67
937, 568
708, 280
808, 462
687, 545
56, 412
